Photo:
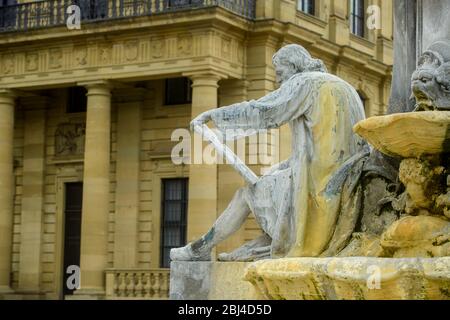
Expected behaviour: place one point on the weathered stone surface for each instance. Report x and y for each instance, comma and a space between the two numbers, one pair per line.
421, 236
408, 135
190, 280
210, 281
352, 278
424, 183
376, 217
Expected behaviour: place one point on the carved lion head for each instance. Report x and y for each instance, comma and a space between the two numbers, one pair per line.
431, 80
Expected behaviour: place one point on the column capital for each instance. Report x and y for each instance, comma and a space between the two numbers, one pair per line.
107, 84
205, 77
97, 87
8, 93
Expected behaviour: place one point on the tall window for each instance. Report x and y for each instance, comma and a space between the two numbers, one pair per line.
178, 91
8, 15
357, 17
307, 6
76, 100
174, 217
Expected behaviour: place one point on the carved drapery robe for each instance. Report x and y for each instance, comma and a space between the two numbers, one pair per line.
309, 204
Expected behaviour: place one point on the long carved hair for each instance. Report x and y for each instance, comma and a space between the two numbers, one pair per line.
299, 58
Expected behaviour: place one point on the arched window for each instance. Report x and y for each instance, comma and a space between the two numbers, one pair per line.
307, 6
357, 17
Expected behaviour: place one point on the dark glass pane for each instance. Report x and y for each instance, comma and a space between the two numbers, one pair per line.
357, 17
308, 6
174, 190
174, 217
172, 237
178, 91
77, 100
72, 229
173, 212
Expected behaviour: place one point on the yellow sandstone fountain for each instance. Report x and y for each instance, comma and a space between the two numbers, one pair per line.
414, 258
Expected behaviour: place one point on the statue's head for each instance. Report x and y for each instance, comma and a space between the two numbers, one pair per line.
293, 59
431, 80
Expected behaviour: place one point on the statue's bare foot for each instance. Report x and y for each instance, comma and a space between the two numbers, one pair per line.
187, 253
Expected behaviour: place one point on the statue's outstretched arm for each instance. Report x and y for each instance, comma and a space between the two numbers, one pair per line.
288, 102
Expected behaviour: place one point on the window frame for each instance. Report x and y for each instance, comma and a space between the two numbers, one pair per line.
183, 220
70, 100
356, 16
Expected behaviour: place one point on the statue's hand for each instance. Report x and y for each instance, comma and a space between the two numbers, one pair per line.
201, 119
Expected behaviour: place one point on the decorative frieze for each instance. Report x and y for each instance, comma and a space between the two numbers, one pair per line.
122, 52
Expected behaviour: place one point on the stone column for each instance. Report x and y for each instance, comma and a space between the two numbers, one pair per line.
129, 117
32, 195
202, 205
6, 186
95, 210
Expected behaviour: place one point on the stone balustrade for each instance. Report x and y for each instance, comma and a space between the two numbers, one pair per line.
137, 284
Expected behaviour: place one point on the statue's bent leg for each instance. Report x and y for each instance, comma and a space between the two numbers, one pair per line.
257, 249
228, 223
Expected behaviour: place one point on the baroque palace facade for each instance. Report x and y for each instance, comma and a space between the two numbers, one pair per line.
86, 117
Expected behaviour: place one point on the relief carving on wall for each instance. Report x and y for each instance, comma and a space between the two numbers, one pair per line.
184, 45
105, 54
8, 64
55, 58
157, 46
131, 50
95, 54
69, 139
31, 62
226, 48
81, 56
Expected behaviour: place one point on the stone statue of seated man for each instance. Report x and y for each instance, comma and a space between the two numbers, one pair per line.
309, 204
